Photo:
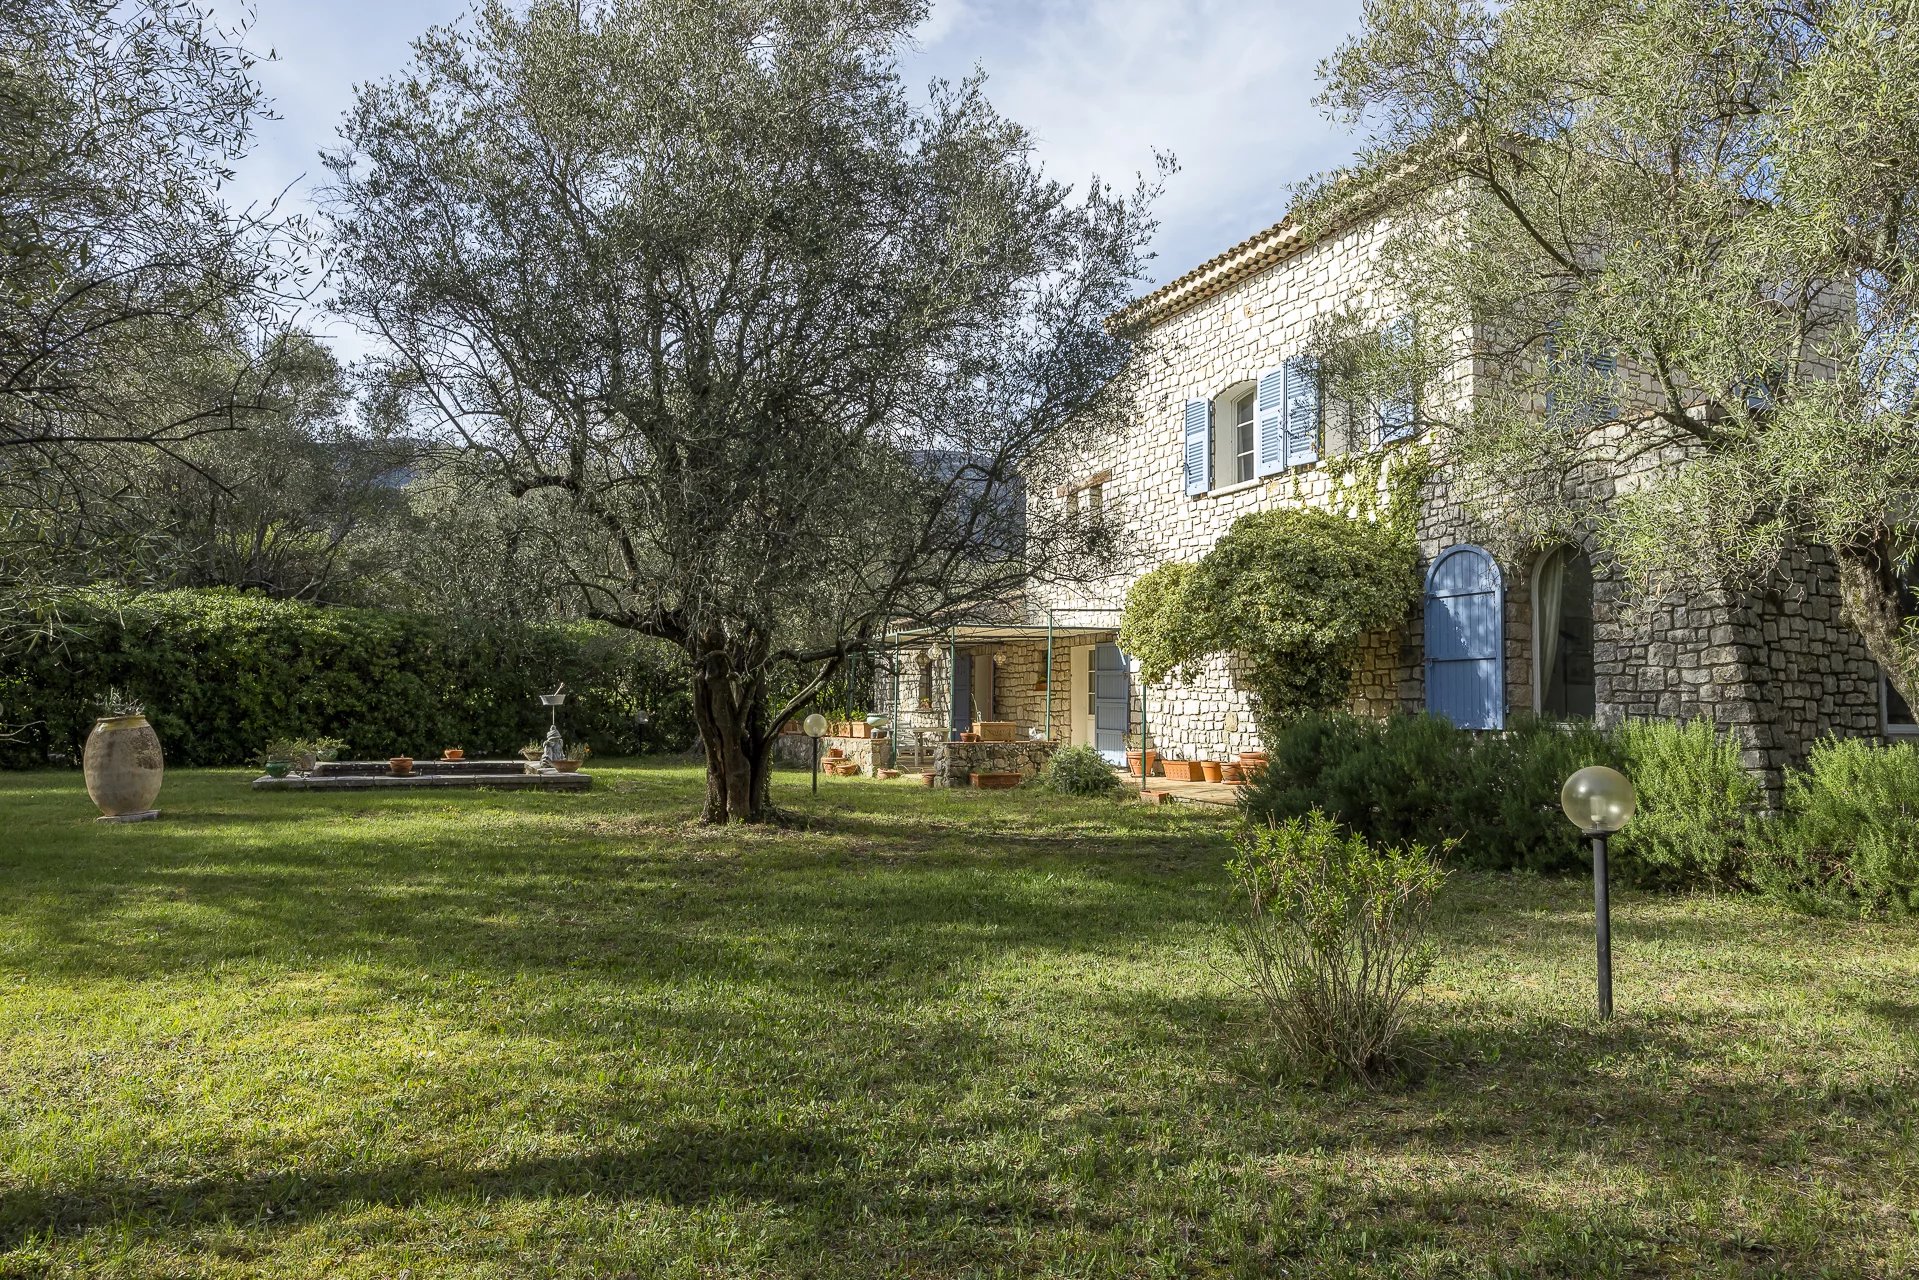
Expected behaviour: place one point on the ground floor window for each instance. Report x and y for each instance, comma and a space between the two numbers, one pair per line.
1896, 713
1563, 687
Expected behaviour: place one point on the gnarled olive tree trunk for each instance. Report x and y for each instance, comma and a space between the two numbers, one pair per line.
731, 715
1871, 593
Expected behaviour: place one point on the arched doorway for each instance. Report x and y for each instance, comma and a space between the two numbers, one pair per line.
1563, 685
1465, 638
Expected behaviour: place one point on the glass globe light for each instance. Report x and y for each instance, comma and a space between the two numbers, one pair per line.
1598, 800
814, 724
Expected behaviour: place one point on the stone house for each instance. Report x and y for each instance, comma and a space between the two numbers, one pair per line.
1228, 421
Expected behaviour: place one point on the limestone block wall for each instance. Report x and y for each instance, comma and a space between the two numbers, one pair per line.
954, 763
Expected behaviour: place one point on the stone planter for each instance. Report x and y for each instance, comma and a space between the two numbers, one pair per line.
995, 781
123, 767
1209, 771
995, 730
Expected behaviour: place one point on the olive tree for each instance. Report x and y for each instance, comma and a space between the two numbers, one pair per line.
1719, 201
139, 310
770, 350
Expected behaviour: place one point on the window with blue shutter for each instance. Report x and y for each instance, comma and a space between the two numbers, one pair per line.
1466, 639
1198, 437
1399, 408
1271, 411
1594, 408
1302, 411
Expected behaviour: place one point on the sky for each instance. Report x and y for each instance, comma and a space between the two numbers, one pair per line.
1224, 86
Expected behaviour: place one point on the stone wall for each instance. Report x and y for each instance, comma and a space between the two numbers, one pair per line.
954, 763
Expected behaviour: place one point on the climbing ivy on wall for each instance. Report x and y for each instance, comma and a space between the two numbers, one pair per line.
1293, 591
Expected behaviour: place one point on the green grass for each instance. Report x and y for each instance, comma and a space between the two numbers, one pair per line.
922, 1034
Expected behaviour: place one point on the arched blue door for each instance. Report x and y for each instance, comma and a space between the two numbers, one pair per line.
1466, 639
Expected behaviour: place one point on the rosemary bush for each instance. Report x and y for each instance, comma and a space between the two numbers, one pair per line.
1332, 930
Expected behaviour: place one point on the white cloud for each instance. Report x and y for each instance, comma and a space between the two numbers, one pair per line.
1226, 86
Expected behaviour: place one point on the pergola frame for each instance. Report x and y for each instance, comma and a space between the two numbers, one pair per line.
1052, 632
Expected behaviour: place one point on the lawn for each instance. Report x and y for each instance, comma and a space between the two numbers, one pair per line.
919, 1034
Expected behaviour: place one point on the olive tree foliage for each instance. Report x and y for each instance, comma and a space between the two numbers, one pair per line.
771, 348
139, 311
1722, 198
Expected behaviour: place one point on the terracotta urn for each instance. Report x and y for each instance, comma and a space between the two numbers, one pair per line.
123, 766
400, 765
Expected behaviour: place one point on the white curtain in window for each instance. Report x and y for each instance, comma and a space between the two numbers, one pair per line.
1547, 604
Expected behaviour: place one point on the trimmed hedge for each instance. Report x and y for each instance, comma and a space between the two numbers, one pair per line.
221, 672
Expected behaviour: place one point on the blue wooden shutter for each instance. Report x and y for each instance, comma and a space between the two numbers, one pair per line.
1605, 405
1552, 372
1198, 414
1466, 639
1269, 417
1302, 410
1397, 411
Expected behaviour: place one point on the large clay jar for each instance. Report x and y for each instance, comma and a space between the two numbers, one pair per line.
123, 765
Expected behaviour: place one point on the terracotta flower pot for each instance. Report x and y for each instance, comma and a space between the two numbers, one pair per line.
453, 753
1229, 771
1209, 770
401, 766
1152, 763
567, 766
123, 766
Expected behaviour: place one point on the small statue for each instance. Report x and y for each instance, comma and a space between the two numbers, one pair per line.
553, 749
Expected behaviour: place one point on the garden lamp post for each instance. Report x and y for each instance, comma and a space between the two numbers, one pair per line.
1599, 801
640, 721
815, 725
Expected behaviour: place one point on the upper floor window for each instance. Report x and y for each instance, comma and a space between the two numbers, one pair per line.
1243, 438
1253, 429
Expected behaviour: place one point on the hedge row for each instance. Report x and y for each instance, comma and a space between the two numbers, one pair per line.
1847, 840
221, 672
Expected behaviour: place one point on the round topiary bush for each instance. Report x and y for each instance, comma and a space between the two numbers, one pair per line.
1078, 771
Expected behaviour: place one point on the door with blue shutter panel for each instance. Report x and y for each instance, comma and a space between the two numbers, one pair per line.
1198, 451
1302, 411
1466, 639
1269, 415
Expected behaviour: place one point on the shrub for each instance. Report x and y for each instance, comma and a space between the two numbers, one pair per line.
1849, 838
1506, 814
1296, 591
1333, 932
1696, 805
1078, 771
222, 672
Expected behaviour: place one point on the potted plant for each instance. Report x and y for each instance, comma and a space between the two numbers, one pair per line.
1210, 771
453, 753
1229, 771
572, 763
1138, 744
401, 766
327, 749
278, 757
